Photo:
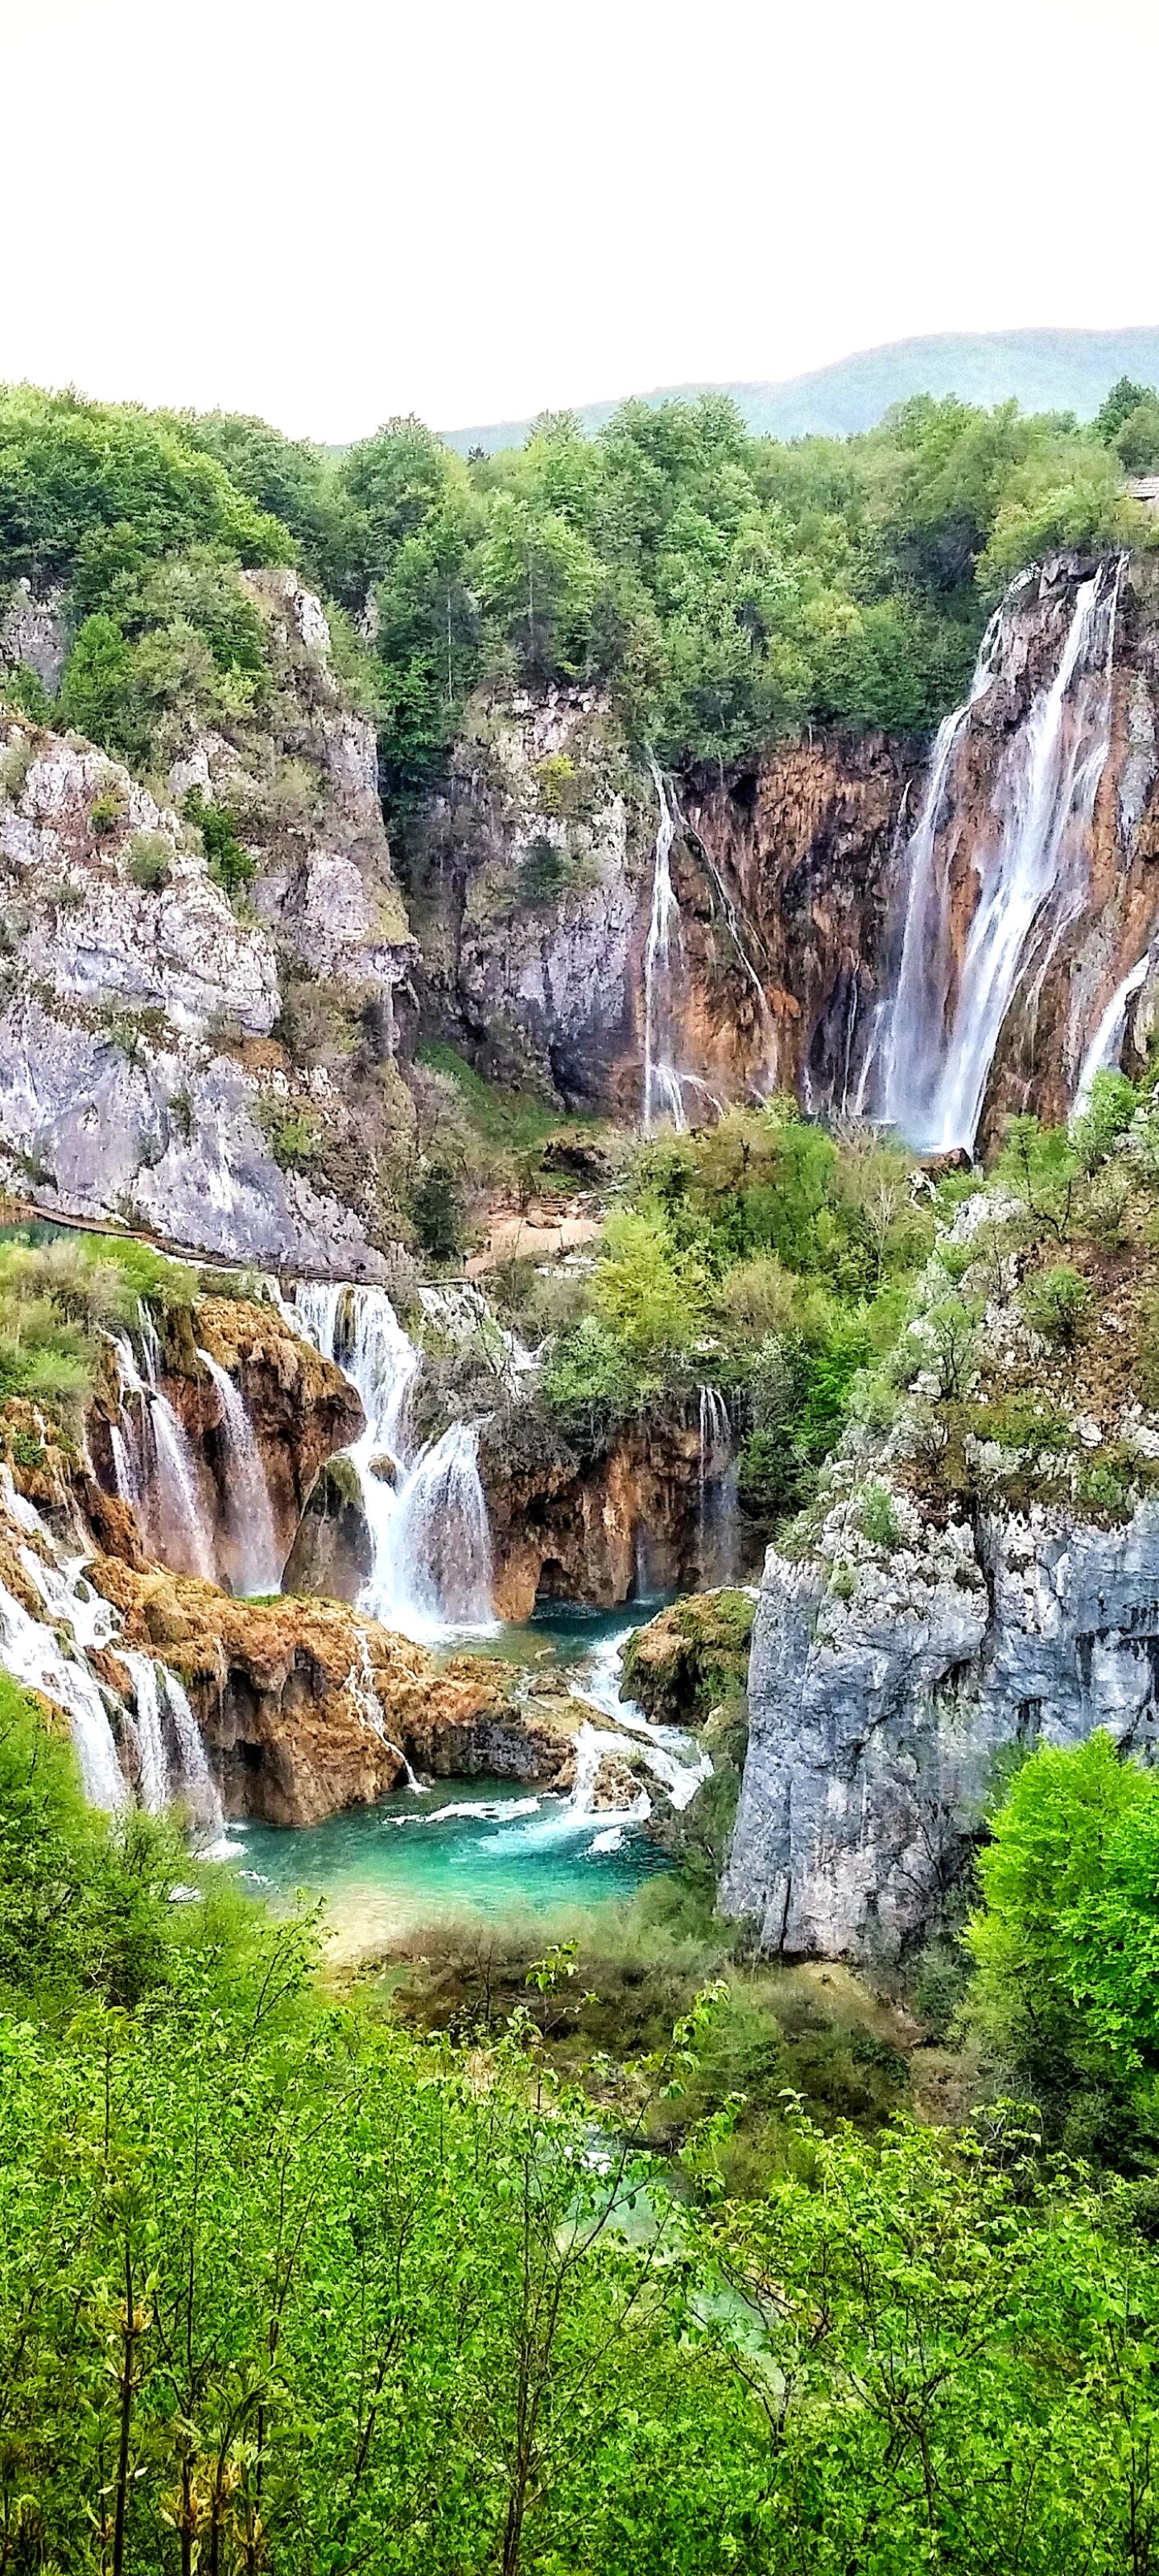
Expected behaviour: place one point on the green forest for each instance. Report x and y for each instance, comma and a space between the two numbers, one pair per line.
723, 588
285, 2284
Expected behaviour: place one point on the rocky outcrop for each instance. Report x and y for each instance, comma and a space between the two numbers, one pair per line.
530, 887
305, 1708
527, 881
878, 1703
225, 1077
690, 1659
596, 1528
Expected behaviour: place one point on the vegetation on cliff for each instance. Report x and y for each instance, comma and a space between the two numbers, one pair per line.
762, 1257
722, 587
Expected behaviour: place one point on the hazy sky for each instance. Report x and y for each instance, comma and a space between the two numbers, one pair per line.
475, 208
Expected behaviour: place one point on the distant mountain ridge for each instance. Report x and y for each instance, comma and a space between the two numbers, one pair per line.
1043, 370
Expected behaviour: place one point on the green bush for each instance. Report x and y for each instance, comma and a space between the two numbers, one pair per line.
1057, 1304
149, 860
230, 866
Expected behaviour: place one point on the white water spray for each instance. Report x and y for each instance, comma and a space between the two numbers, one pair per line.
154, 1464
1032, 871
1106, 1047
257, 1561
425, 1508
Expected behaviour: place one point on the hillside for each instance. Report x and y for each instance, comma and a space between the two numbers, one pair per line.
1043, 370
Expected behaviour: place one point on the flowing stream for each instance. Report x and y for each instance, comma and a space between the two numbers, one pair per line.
488, 1848
1032, 864
424, 1503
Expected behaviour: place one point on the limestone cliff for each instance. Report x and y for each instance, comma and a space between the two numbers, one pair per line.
980, 1571
223, 1075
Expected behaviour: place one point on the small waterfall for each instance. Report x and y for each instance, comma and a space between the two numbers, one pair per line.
716, 1519
1032, 871
154, 1464
1106, 1047
439, 1570
257, 1563
31, 1653
161, 1714
425, 1507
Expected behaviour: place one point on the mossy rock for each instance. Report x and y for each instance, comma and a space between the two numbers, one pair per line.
696, 1654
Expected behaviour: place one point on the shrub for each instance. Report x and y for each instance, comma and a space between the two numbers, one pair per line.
437, 1211
295, 1136
148, 860
230, 866
1057, 1305
649, 1292
877, 1513
106, 812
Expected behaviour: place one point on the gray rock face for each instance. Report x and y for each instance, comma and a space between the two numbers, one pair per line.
529, 886
159, 1133
875, 1718
34, 632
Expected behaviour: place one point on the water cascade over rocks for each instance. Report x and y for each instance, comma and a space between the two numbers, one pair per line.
663, 1084
425, 1508
1106, 1046
257, 1563
171, 1759
154, 1464
716, 1518
1030, 861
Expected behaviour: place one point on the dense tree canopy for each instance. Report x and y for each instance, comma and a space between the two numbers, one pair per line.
722, 587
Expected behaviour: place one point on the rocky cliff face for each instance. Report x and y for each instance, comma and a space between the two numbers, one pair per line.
532, 882
875, 1719
141, 1076
590, 1529
530, 889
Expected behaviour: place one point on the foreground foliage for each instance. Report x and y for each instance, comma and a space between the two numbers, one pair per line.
282, 2287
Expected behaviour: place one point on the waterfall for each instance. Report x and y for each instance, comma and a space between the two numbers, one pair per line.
425, 1507
257, 1563
1106, 1046
1031, 866
663, 1085
30, 1652
171, 1756
716, 1491
153, 1463
161, 1714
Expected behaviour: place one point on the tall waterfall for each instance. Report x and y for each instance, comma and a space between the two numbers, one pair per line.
716, 1532
154, 1464
663, 1084
425, 1507
257, 1562
1031, 865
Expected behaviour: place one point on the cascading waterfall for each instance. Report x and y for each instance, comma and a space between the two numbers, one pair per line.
154, 1464
425, 1507
1032, 870
31, 1653
716, 1491
1106, 1047
257, 1566
37, 1653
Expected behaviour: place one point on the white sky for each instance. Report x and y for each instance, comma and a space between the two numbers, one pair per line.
475, 208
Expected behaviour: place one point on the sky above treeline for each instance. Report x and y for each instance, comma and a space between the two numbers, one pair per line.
483, 208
